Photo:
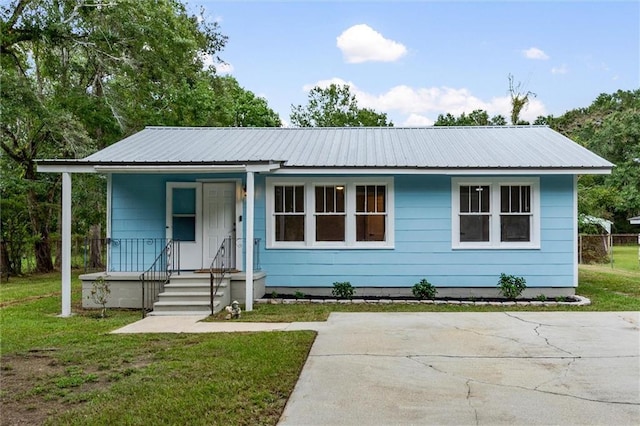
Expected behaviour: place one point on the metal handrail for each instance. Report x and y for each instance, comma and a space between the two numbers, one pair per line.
156, 276
220, 266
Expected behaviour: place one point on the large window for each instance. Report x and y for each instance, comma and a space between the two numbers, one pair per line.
328, 213
495, 213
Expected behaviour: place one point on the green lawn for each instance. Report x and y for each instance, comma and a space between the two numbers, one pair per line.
626, 258
72, 371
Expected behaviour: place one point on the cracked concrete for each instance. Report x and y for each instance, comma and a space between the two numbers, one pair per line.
471, 369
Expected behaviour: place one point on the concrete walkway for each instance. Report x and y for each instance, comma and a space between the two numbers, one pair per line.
510, 368
194, 324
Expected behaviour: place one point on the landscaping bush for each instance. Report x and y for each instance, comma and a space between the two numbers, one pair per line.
343, 290
510, 286
424, 290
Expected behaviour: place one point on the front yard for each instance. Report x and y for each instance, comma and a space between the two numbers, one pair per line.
72, 371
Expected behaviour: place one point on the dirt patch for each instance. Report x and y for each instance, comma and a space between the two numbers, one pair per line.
36, 386
28, 299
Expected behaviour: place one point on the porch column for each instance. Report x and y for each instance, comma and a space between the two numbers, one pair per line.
66, 245
248, 269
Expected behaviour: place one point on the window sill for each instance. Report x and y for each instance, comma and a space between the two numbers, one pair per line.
329, 247
498, 247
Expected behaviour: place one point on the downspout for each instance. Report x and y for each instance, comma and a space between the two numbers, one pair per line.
249, 242
66, 245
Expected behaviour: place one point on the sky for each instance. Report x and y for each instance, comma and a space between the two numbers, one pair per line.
414, 60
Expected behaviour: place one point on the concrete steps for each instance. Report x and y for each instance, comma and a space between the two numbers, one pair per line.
189, 294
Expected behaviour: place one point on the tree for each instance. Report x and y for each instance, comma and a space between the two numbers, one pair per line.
335, 106
77, 75
477, 117
610, 127
519, 100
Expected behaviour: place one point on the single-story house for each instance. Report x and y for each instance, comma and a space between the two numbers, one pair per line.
381, 208
635, 220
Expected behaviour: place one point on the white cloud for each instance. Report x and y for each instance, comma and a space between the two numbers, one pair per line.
562, 69
535, 53
423, 104
417, 120
361, 43
224, 68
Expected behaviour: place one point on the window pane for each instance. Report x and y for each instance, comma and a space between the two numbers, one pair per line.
360, 198
381, 199
330, 228
465, 197
504, 199
515, 228
279, 199
184, 228
320, 199
340, 199
515, 199
370, 227
484, 198
299, 199
289, 227
288, 199
526, 199
474, 228
330, 203
184, 201
371, 199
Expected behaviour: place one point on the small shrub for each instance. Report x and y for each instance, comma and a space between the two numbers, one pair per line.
100, 293
298, 294
510, 286
541, 298
424, 290
343, 290
274, 294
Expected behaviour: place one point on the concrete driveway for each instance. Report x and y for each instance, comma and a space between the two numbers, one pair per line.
514, 368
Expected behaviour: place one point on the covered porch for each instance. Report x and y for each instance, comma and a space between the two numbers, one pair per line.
207, 216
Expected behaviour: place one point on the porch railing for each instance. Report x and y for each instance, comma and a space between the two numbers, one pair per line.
156, 276
220, 266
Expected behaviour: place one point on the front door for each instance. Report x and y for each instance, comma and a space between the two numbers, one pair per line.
184, 223
218, 212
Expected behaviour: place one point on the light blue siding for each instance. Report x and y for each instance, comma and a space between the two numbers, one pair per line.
423, 247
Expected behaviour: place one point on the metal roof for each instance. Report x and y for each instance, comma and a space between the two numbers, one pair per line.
354, 147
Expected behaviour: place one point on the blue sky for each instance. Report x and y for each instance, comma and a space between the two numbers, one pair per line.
416, 59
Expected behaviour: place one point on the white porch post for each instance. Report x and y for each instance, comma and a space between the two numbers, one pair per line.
249, 243
66, 244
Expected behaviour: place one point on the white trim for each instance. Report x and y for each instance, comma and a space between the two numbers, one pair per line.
350, 184
66, 245
249, 246
171, 169
197, 246
449, 171
109, 204
494, 184
57, 168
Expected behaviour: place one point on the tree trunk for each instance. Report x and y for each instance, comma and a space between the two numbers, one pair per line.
95, 247
44, 263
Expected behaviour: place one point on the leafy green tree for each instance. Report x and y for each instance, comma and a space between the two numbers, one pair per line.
76, 76
335, 106
477, 117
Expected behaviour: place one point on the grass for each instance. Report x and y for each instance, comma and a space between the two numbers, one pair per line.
78, 373
626, 258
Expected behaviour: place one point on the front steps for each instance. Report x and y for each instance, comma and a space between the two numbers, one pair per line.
189, 294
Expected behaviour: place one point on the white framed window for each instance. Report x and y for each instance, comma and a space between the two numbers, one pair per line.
495, 213
329, 212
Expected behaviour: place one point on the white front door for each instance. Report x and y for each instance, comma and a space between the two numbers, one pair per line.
184, 223
218, 212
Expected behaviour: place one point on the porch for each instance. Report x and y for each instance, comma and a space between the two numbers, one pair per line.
148, 274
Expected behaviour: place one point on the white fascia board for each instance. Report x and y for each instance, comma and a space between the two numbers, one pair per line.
59, 168
171, 169
441, 171
257, 168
